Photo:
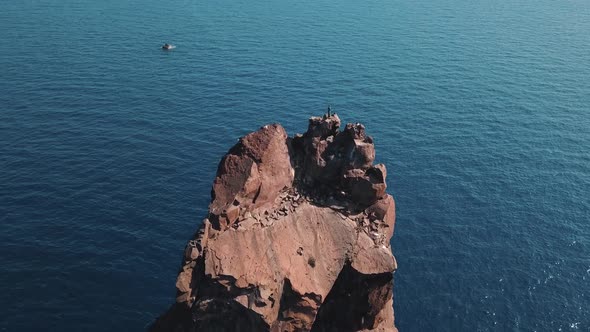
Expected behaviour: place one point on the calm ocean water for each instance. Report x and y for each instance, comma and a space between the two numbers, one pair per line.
108, 147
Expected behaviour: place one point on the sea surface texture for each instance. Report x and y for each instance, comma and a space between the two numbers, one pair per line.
109, 145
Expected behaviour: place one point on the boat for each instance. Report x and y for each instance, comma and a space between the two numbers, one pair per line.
168, 46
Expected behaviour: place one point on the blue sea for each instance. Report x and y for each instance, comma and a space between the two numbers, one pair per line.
109, 145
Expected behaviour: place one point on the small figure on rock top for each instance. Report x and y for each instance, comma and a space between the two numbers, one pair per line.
329, 111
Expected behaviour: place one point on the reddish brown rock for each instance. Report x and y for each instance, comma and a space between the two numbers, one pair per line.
384, 211
366, 187
251, 175
297, 238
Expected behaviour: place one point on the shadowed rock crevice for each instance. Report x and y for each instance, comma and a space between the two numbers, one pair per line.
296, 238
297, 311
215, 315
370, 294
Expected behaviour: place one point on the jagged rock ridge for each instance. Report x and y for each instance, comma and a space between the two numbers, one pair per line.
297, 238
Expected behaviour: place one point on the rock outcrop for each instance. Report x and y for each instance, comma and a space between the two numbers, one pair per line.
297, 238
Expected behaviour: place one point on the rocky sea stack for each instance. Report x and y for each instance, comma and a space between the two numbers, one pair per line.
297, 238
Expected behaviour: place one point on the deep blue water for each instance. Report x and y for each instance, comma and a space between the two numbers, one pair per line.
108, 147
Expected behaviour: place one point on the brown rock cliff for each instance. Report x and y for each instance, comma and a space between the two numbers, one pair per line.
297, 238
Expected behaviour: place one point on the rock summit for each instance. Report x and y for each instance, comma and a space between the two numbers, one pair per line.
297, 238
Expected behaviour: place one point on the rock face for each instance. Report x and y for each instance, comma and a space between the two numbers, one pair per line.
297, 238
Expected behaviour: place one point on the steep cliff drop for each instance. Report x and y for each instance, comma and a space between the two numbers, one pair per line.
297, 238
